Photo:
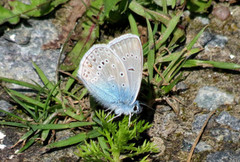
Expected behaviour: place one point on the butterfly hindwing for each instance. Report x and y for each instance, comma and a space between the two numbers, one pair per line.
104, 75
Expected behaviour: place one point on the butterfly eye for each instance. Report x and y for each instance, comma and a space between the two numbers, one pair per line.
135, 108
124, 58
106, 61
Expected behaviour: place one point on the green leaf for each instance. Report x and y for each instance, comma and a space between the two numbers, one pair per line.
7, 15
198, 5
109, 5
35, 8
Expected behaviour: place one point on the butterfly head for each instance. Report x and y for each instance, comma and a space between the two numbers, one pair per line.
127, 109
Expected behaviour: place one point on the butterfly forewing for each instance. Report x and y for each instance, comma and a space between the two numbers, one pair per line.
104, 74
129, 49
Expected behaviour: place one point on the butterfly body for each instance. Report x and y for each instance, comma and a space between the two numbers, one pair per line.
113, 72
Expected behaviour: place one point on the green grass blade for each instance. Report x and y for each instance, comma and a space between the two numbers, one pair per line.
222, 65
21, 103
11, 114
168, 88
29, 143
74, 115
21, 83
172, 56
43, 77
14, 124
151, 54
194, 40
70, 141
61, 126
71, 80
133, 24
170, 28
27, 99
26, 135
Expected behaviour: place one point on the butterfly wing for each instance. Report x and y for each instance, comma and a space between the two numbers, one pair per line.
129, 49
104, 75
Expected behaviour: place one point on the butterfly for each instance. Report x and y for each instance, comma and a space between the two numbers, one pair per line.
113, 73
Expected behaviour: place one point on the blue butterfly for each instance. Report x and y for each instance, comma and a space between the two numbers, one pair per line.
113, 73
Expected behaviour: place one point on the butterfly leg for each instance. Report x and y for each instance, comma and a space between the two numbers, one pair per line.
129, 120
114, 117
108, 113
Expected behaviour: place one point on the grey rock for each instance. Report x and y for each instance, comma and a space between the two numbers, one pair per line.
199, 121
203, 20
181, 86
218, 41
20, 36
226, 119
223, 156
4, 105
208, 40
201, 146
16, 59
211, 98
223, 134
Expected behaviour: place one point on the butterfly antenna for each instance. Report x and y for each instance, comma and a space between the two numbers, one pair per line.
147, 106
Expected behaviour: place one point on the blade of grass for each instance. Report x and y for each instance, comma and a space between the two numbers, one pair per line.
75, 139
151, 54
133, 24
14, 124
27, 99
21, 83
11, 114
172, 56
29, 143
71, 80
44, 79
194, 40
170, 28
74, 115
223, 65
168, 88
61, 126
21, 104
